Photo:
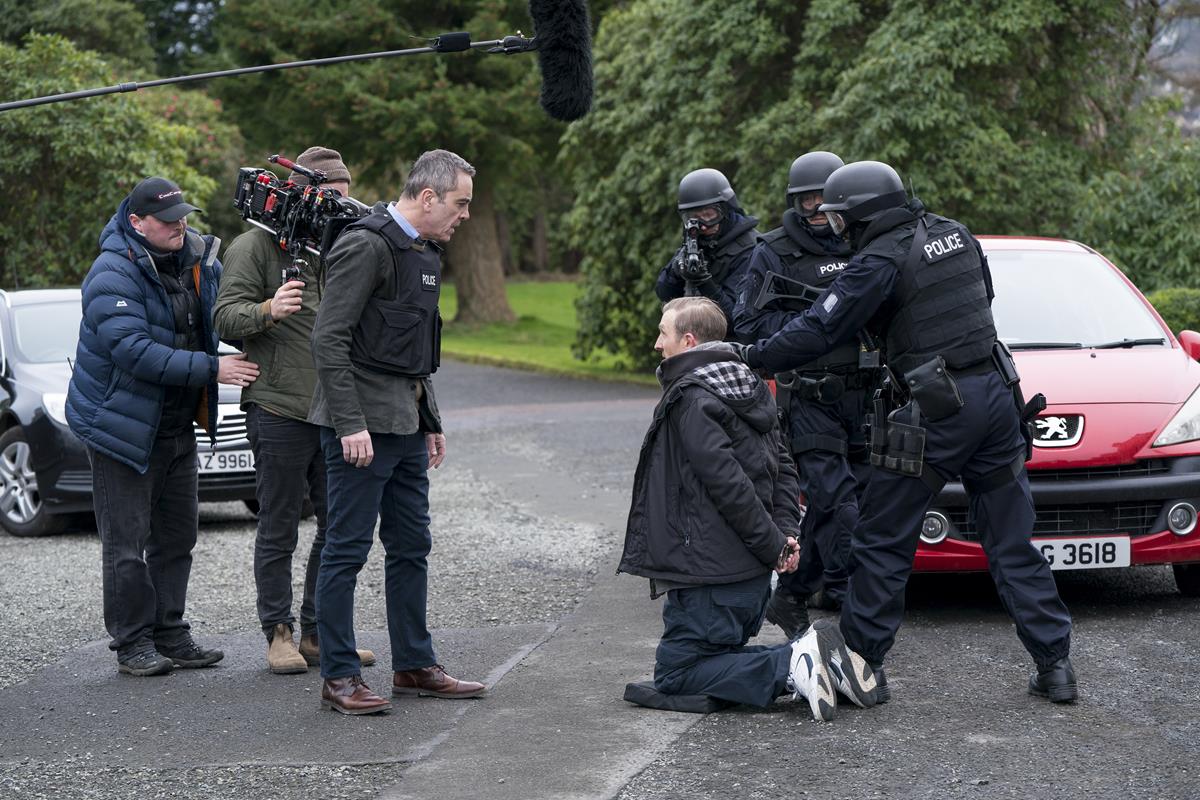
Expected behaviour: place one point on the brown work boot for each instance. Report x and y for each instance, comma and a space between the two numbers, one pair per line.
434, 682
310, 648
282, 656
351, 696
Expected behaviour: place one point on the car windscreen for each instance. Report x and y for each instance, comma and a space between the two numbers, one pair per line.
47, 332
1073, 299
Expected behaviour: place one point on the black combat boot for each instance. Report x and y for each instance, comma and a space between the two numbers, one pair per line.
1056, 682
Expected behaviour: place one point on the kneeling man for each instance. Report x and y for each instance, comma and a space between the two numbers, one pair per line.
715, 509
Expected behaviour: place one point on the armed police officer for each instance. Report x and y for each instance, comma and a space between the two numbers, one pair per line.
824, 400
718, 240
922, 283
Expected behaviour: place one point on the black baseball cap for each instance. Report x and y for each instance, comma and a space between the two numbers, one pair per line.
161, 199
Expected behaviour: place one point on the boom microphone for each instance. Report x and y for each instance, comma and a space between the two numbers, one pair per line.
564, 52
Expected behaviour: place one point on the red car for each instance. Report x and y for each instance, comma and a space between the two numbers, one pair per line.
1115, 473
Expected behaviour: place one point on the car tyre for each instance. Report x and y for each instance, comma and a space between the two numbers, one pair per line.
1187, 579
22, 512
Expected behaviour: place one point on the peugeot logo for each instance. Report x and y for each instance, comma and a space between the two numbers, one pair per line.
1060, 431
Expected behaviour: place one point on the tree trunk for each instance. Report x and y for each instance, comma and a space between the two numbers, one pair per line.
504, 242
474, 253
539, 249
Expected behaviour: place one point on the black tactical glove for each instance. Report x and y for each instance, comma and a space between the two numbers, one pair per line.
696, 272
746, 353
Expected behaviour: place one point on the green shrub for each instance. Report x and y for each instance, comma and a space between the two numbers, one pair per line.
1180, 308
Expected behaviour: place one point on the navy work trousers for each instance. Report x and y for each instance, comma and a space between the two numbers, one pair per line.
831, 484
703, 647
147, 524
981, 437
289, 467
393, 489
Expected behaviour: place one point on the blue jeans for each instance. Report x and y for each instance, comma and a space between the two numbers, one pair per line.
394, 489
289, 467
147, 524
703, 647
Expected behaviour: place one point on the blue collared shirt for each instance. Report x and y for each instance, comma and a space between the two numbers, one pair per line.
404, 224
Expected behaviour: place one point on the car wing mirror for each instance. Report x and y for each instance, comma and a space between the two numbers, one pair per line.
1190, 341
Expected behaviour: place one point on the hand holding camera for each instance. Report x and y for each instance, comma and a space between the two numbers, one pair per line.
287, 299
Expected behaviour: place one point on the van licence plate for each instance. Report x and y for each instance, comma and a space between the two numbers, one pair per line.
1085, 552
225, 461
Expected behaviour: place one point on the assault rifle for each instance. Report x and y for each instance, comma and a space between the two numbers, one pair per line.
693, 267
794, 295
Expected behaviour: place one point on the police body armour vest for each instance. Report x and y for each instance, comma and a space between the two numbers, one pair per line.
743, 237
942, 307
402, 336
802, 259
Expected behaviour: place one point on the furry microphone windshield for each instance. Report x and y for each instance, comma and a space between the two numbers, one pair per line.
564, 52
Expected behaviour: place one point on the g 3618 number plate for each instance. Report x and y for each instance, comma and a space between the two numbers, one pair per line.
1096, 552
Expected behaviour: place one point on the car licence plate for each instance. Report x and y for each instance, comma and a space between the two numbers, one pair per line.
225, 461
1085, 552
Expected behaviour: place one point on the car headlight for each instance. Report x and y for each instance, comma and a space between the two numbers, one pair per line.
1184, 426
56, 407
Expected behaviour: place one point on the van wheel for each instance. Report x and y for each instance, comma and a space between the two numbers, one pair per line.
22, 512
1187, 579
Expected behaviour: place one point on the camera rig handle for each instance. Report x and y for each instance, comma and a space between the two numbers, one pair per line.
315, 176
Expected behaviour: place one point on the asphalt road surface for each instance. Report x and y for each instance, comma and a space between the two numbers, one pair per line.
528, 514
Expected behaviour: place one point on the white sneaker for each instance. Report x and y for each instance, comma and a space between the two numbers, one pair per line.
808, 676
850, 672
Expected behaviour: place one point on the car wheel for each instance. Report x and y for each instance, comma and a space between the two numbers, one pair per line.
1187, 578
306, 513
22, 512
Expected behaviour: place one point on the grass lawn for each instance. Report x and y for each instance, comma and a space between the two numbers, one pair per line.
540, 339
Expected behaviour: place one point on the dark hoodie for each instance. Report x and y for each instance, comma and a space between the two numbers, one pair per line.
715, 493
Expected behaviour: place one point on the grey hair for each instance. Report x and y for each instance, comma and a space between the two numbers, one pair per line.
698, 316
437, 170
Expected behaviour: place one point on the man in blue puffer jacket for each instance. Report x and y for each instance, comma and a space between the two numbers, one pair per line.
146, 368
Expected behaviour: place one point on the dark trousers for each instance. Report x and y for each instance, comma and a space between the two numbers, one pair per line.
147, 524
703, 647
289, 467
983, 436
832, 485
394, 490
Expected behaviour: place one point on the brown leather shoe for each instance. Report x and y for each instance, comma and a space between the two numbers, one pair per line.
310, 648
434, 682
351, 696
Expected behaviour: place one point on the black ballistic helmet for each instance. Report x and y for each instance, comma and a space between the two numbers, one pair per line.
810, 171
705, 187
860, 191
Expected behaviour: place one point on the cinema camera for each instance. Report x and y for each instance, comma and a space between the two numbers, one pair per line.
299, 217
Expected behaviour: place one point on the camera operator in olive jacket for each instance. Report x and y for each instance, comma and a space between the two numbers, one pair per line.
275, 320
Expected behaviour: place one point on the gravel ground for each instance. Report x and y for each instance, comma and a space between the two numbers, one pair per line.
497, 560
50, 587
75, 780
50, 591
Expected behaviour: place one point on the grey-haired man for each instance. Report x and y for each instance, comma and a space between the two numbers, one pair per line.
375, 345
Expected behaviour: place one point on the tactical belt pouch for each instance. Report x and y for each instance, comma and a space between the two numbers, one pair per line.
931, 386
1005, 365
903, 446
